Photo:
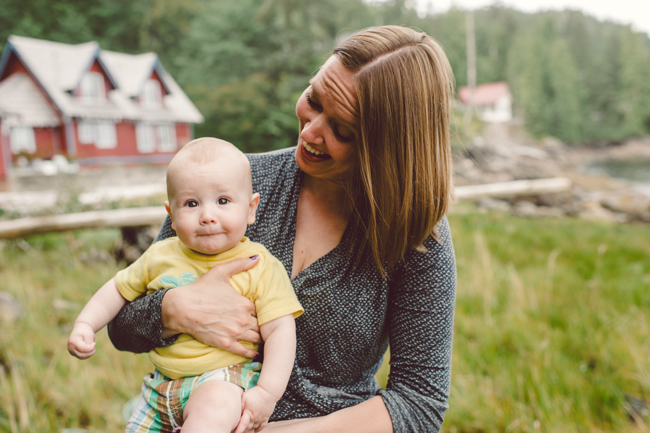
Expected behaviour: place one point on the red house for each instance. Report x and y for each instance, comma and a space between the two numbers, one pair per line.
93, 106
492, 101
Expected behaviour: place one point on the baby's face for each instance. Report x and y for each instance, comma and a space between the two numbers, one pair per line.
211, 205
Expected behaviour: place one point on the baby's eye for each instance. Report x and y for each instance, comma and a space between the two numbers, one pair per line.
192, 203
222, 201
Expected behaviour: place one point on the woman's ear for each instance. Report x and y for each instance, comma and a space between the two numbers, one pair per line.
252, 208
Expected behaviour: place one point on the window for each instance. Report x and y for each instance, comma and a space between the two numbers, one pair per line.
100, 132
151, 96
86, 130
105, 135
145, 137
23, 139
166, 137
92, 88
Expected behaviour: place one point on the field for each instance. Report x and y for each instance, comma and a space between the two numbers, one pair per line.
552, 330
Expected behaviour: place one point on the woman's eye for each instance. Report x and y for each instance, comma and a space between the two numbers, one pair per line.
341, 137
313, 104
192, 203
222, 201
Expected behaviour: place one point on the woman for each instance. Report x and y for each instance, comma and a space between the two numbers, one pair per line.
356, 215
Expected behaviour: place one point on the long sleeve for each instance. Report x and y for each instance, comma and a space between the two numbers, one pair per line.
138, 326
420, 316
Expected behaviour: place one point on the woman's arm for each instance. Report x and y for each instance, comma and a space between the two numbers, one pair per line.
420, 322
371, 416
209, 309
137, 327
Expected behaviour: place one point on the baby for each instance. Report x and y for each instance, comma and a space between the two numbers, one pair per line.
196, 386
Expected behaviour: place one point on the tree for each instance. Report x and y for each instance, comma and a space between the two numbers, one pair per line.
545, 82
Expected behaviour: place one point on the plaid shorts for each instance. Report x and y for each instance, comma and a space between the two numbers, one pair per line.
160, 409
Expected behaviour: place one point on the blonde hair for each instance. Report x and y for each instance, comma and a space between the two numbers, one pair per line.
403, 185
202, 151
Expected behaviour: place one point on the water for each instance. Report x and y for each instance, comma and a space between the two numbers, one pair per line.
636, 171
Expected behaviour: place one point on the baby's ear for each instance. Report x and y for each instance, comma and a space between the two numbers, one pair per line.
169, 211
252, 208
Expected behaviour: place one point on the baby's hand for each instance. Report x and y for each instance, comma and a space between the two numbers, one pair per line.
257, 407
81, 343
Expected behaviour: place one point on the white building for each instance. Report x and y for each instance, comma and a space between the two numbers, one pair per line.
492, 101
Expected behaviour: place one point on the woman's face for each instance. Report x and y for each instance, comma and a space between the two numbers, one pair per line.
328, 114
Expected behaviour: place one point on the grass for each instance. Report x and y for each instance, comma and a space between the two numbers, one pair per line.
43, 388
552, 330
551, 325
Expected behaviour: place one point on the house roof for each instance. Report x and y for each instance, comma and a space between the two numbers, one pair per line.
58, 69
484, 94
23, 103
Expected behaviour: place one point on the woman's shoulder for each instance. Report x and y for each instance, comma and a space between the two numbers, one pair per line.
270, 160
267, 169
437, 260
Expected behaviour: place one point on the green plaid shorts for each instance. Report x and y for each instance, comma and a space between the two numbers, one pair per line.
160, 409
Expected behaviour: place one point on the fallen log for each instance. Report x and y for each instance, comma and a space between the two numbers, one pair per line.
134, 217
130, 217
515, 188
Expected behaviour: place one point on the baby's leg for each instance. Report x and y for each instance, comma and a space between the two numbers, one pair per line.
214, 406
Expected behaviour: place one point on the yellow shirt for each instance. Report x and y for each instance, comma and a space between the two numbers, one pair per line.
169, 263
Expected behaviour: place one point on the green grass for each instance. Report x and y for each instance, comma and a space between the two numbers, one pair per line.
43, 388
552, 330
551, 325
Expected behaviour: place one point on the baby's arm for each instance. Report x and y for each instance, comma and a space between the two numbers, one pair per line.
100, 310
279, 353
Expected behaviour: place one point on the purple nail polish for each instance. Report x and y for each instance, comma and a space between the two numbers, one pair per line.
254, 257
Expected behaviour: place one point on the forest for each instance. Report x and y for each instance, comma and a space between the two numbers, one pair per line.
245, 63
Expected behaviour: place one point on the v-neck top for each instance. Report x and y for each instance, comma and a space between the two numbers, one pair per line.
351, 315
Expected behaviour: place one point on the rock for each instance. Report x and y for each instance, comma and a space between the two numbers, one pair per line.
592, 210
10, 309
524, 208
529, 209
629, 202
493, 205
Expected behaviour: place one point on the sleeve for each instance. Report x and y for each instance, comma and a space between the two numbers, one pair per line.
274, 295
137, 327
420, 316
132, 281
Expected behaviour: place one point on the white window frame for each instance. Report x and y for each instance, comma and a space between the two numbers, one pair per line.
86, 131
101, 133
23, 139
105, 134
145, 137
92, 88
166, 137
151, 94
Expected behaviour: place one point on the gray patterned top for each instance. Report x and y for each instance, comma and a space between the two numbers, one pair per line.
351, 315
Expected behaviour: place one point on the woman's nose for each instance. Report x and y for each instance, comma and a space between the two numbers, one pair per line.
312, 132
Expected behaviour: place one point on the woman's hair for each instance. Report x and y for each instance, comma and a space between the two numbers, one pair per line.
403, 185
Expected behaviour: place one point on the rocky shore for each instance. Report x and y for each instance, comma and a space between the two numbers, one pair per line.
501, 153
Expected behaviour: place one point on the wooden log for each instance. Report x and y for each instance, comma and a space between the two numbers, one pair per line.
133, 217
130, 217
514, 188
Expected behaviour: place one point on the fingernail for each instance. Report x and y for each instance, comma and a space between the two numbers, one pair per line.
254, 257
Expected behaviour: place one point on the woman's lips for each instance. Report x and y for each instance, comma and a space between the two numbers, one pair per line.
310, 156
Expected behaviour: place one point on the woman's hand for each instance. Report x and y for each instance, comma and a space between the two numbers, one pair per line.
212, 311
